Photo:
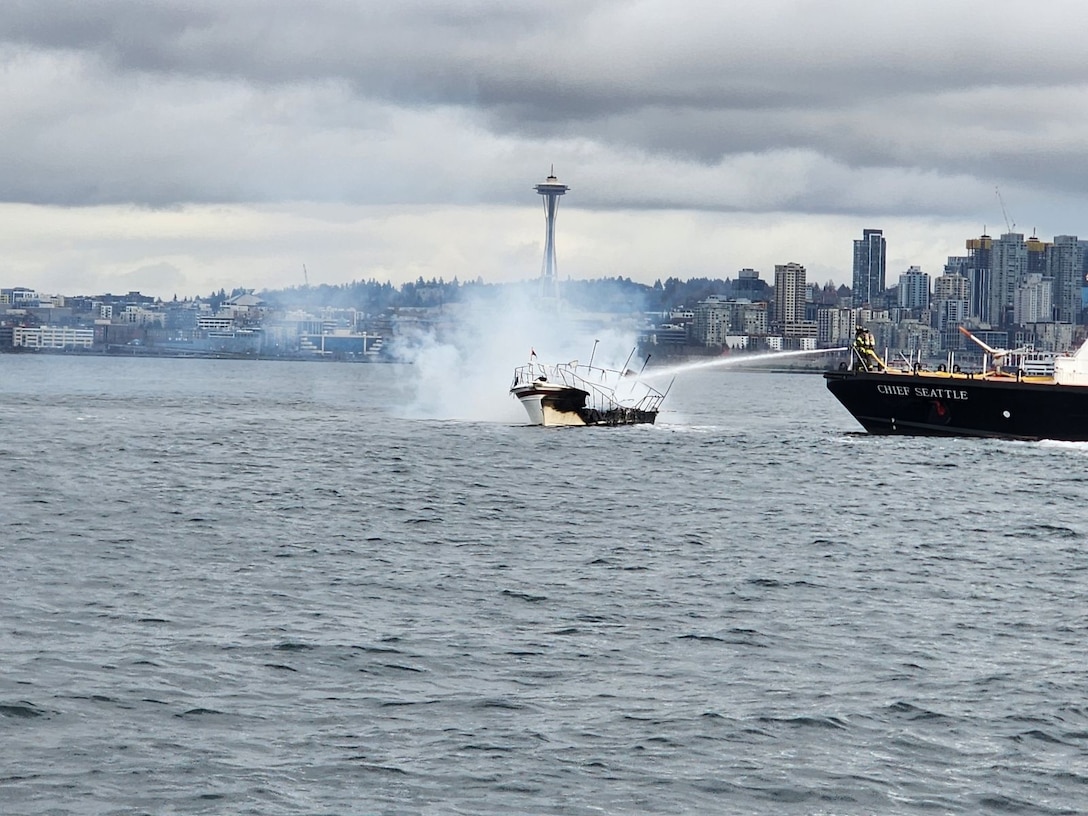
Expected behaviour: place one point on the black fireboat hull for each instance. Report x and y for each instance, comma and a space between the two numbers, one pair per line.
931, 404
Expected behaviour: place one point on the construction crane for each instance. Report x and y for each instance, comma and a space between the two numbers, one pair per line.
1008, 227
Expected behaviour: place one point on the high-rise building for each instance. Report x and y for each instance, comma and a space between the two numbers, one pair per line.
979, 251
869, 267
711, 322
1065, 264
950, 304
716, 320
956, 265
789, 294
835, 326
550, 189
1008, 268
1036, 256
951, 286
1034, 297
913, 292
748, 285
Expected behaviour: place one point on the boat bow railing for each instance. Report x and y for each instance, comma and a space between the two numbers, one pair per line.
602, 384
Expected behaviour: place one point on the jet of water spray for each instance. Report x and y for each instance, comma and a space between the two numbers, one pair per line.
723, 362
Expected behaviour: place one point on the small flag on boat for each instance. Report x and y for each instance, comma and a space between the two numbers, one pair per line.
532, 353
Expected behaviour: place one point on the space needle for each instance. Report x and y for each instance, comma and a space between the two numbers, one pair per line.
550, 189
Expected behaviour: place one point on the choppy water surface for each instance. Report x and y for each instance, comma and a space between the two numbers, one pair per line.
239, 587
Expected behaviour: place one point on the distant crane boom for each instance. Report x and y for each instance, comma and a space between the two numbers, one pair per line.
1008, 227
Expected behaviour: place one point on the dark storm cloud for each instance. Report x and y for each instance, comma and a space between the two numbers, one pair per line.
156, 102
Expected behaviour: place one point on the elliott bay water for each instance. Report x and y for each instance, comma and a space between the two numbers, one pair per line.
274, 588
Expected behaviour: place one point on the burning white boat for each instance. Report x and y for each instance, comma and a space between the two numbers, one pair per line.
574, 394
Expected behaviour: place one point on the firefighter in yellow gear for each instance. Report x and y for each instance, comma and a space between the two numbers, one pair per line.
865, 347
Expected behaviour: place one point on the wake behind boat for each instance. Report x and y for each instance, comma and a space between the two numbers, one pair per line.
994, 402
573, 394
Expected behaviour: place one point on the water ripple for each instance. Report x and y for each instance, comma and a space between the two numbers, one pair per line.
250, 588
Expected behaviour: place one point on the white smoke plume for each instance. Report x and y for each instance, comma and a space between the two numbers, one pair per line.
462, 366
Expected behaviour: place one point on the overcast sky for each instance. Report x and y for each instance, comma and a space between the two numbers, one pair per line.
180, 147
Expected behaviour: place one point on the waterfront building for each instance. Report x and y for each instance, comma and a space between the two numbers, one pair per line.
736, 342
754, 319
712, 321
180, 316
869, 267
140, 315
668, 336
715, 319
801, 333
913, 292
340, 344
215, 323
52, 337
247, 309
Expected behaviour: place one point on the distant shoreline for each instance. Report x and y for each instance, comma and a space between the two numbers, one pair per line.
172, 354
761, 361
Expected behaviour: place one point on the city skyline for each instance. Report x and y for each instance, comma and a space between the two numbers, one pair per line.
1011, 289
874, 286
171, 149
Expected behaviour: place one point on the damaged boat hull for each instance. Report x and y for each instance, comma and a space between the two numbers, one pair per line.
569, 395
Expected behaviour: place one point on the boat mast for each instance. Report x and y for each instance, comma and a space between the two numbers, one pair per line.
646, 362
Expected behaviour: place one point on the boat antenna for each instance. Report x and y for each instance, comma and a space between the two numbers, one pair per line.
629, 356
593, 353
667, 390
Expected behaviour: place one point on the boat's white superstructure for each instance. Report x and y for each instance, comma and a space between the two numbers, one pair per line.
1072, 369
573, 394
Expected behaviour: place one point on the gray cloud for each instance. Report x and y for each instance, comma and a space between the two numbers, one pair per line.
841, 108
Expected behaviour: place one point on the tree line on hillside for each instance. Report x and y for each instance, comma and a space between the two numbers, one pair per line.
617, 295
